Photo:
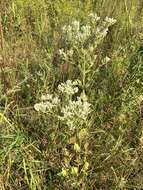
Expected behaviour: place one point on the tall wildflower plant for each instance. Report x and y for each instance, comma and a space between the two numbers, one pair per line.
69, 105
81, 42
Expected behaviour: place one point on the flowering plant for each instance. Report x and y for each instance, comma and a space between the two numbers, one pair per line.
69, 105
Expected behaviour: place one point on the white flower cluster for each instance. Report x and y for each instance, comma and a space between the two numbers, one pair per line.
110, 21
85, 33
94, 17
71, 110
47, 104
102, 30
75, 110
66, 55
69, 87
75, 33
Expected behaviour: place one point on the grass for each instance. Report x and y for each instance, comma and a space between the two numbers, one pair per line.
30, 147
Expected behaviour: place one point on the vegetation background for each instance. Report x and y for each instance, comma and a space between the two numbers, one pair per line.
29, 152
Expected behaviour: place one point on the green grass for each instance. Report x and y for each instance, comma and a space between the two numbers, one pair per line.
30, 147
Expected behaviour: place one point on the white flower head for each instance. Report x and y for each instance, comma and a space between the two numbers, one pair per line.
61, 51
75, 110
43, 106
106, 59
48, 102
94, 17
68, 88
111, 21
76, 25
